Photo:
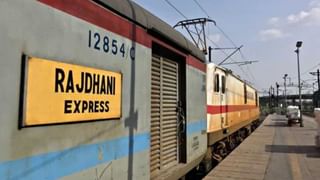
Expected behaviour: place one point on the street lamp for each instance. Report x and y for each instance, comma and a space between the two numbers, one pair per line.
298, 45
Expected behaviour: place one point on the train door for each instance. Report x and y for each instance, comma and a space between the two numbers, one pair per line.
220, 83
166, 115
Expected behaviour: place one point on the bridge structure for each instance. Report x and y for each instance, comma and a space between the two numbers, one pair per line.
309, 101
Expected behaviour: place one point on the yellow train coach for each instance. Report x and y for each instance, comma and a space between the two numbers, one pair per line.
232, 110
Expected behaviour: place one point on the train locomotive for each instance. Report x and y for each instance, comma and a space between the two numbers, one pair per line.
101, 89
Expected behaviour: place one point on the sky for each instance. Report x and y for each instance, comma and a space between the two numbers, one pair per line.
268, 31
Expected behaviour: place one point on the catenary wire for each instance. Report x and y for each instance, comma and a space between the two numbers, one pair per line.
220, 29
306, 72
176, 9
201, 8
231, 41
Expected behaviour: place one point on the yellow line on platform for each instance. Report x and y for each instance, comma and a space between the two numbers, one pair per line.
295, 168
293, 159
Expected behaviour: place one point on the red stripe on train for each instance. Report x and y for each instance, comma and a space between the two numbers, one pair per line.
190, 60
217, 109
196, 63
97, 15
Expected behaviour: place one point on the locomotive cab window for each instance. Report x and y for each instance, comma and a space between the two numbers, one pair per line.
216, 83
223, 84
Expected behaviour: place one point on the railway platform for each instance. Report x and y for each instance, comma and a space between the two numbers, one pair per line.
274, 151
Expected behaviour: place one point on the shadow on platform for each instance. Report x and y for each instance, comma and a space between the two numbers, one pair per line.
278, 124
280, 120
310, 150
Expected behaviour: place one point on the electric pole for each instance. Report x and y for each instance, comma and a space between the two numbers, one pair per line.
318, 93
277, 85
317, 74
285, 90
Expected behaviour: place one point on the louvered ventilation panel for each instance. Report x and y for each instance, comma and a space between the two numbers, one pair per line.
164, 98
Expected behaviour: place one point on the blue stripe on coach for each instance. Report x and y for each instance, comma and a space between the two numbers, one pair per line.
196, 126
54, 165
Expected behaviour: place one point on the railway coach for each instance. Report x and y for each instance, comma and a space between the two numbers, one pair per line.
97, 90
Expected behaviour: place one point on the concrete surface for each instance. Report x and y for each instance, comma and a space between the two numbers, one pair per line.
274, 152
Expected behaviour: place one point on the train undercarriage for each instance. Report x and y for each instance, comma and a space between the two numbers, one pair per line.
221, 149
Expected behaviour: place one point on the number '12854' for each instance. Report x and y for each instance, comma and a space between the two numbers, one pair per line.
108, 45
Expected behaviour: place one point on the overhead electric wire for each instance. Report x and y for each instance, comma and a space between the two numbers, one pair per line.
306, 72
204, 11
201, 8
232, 42
176, 9
310, 69
220, 29
225, 53
249, 70
227, 37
